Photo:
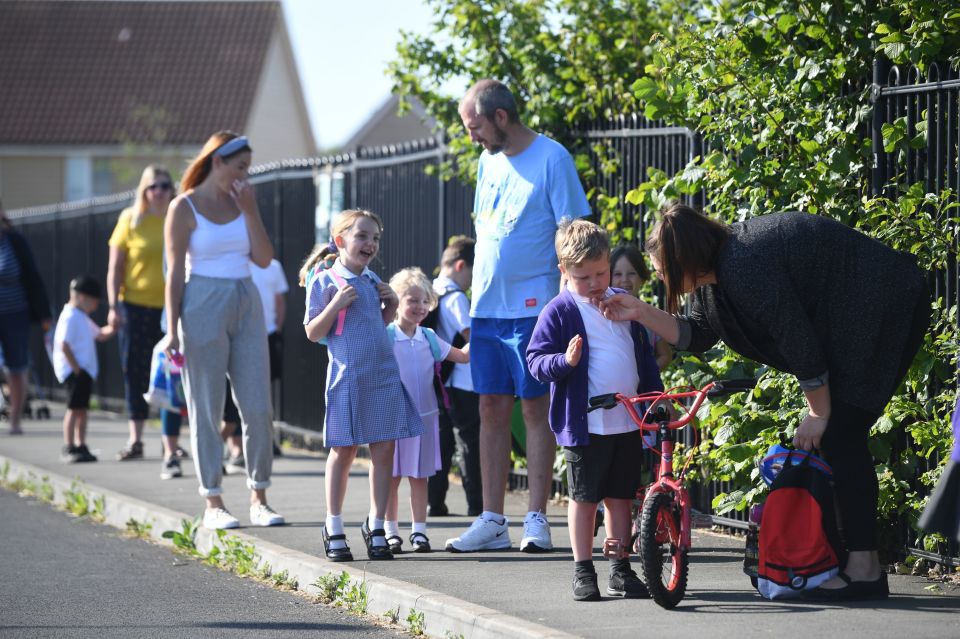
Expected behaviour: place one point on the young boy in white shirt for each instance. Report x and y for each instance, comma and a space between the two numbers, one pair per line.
582, 354
75, 363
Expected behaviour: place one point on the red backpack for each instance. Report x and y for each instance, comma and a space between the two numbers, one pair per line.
799, 540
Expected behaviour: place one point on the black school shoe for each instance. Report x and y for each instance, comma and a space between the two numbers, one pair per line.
853, 591
585, 587
420, 542
626, 584
84, 455
375, 552
395, 544
335, 554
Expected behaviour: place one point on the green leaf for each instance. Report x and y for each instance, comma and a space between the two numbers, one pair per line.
645, 88
786, 21
815, 31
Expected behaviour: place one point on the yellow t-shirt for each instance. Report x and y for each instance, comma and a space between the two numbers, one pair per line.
143, 268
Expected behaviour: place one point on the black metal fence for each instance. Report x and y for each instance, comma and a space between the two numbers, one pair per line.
421, 211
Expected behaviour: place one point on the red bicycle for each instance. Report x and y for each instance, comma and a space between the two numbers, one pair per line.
663, 535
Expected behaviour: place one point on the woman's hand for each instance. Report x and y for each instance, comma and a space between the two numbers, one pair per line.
244, 197
621, 307
114, 320
344, 297
574, 350
810, 432
171, 346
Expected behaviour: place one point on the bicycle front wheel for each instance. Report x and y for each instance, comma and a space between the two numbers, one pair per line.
665, 563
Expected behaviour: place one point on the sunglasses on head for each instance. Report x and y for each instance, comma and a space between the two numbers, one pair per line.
162, 186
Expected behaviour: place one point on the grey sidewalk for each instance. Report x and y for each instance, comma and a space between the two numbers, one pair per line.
506, 594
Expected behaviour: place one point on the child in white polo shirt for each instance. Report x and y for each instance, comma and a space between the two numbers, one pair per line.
75, 363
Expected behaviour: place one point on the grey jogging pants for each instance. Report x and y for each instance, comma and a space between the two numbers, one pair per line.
222, 333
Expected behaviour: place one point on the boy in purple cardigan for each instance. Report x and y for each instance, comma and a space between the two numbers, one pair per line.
582, 354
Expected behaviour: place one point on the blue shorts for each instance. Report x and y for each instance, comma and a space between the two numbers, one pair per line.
498, 357
15, 340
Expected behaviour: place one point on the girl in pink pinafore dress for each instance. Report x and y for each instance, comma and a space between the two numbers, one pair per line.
417, 350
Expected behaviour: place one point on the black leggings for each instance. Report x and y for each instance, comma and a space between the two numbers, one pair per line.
844, 445
139, 333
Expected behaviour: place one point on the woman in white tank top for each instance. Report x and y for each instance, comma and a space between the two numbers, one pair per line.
213, 231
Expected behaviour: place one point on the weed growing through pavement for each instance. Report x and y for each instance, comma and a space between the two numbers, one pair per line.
184, 540
98, 512
416, 623
355, 597
393, 615
139, 529
45, 492
75, 500
449, 635
331, 586
4, 473
283, 580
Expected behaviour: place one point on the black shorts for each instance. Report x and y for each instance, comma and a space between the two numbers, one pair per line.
78, 386
275, 346
609, 466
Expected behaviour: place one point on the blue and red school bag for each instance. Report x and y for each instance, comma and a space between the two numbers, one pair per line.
800, 546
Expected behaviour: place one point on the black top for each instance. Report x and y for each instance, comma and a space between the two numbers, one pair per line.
30, 278
814, 298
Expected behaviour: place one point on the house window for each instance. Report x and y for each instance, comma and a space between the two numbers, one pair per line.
78, 178
103, 176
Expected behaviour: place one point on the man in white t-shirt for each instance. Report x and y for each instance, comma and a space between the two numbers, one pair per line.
526, 184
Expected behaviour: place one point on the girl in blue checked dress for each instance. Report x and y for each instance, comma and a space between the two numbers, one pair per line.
365, 401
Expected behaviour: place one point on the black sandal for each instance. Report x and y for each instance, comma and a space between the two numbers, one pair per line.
335, 554
395, 544
420, 542
375, 552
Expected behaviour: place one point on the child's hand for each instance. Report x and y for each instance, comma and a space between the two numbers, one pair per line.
387, 295
171, 345
574, 350
344, 297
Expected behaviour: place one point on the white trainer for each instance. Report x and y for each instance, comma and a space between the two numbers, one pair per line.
483, 534
263, 515
536, 534
219, 519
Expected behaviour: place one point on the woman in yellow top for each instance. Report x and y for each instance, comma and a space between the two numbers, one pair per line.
135, 286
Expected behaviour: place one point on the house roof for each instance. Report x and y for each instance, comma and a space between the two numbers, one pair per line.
388, 111
116, 72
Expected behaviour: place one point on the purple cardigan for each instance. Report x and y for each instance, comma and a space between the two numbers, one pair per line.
558, 322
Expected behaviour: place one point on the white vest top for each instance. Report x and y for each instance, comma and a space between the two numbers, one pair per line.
218, 250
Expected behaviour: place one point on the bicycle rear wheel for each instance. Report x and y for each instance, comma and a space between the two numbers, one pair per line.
665, 563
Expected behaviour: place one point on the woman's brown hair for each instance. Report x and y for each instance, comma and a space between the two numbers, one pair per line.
200, 166
686, 244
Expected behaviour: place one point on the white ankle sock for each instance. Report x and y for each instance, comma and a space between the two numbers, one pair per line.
374, 525
391, 528
419, 527
334, 525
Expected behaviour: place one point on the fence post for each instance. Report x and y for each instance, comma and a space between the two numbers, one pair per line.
878, 175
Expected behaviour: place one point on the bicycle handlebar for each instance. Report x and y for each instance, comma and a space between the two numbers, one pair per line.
719, 388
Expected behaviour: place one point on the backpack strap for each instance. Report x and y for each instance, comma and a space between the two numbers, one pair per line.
392, 332
434, 342
342, 313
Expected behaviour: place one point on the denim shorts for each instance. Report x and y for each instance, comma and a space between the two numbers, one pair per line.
498, 357
15, 339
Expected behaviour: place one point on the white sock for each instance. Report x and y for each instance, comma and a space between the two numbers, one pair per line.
494, 517
374, 525
335, 527
392, 528
419, 527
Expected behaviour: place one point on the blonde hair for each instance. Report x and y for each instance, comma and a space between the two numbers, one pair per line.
344, 222
200, 166
581, 240
410, 278
148, 177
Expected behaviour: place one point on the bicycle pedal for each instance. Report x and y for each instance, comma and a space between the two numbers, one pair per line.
613, 548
